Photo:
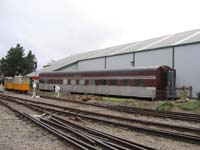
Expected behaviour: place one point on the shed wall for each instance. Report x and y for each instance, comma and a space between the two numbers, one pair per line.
93, 64
187, 66
154, 58
119, 62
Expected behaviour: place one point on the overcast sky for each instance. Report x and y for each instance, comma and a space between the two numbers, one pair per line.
54, 29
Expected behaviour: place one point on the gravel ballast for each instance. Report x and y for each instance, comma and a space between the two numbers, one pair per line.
112, 112
18, 134
142, 138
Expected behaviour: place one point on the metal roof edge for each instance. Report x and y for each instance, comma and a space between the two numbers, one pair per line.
112, 70
157, 48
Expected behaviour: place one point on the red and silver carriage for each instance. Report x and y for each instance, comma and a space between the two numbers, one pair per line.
145, 82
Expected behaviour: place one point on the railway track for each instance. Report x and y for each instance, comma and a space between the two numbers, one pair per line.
95, 117
140, 111
86, 138
135, 110
90, 113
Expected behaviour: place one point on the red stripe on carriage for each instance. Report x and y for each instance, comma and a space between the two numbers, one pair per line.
143, 73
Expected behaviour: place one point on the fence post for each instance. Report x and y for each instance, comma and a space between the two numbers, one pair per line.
152, 95
190, 88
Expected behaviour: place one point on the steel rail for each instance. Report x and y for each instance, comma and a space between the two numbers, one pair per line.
135, 110
69, 129
166, 112
99, 133
70, 139
183, 128
61, 135
173, 135
103, 144
191, 129
111, 145
188, 117
177, 136
129, 109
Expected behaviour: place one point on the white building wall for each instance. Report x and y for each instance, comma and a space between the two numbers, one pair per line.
93, 64
187, 65
154, 58
119, 62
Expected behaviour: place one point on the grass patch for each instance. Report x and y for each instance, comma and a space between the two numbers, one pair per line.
115, 99
191, 105
120, 101
166, 106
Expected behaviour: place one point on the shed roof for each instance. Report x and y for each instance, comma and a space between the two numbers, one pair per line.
139, 69
182, 38
34, 73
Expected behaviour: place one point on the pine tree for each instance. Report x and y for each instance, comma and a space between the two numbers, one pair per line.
16, 63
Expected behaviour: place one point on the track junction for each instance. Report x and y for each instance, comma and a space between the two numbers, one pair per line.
53, 118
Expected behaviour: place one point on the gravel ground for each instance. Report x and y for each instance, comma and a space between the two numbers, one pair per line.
153, 141
116, 113
149, 140
16, 134
132, 123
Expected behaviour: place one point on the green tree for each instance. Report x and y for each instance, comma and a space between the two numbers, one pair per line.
15, 62
30, 63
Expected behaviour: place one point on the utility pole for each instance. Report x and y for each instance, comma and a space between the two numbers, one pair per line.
35, 65
1, 80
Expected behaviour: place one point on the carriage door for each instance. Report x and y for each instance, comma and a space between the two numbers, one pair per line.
171, 84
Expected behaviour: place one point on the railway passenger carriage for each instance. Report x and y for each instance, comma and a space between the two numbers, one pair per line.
150, 82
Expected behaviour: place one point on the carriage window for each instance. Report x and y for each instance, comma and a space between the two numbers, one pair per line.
102, 82
113, 82
139, 82
82, 82
45, 80
64, 81
91, 82
41, 81
125, 82
60, 81
73, 82
49, 81
53, 81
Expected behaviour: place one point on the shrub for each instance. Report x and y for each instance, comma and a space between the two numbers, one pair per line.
167, 106
198, 95
191, 105
184, 93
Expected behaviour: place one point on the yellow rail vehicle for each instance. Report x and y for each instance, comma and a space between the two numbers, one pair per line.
8, 83
18, 83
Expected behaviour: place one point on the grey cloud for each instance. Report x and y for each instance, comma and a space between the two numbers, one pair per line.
56, 29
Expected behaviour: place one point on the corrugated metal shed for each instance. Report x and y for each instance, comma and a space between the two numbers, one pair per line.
35, 73
154, 43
